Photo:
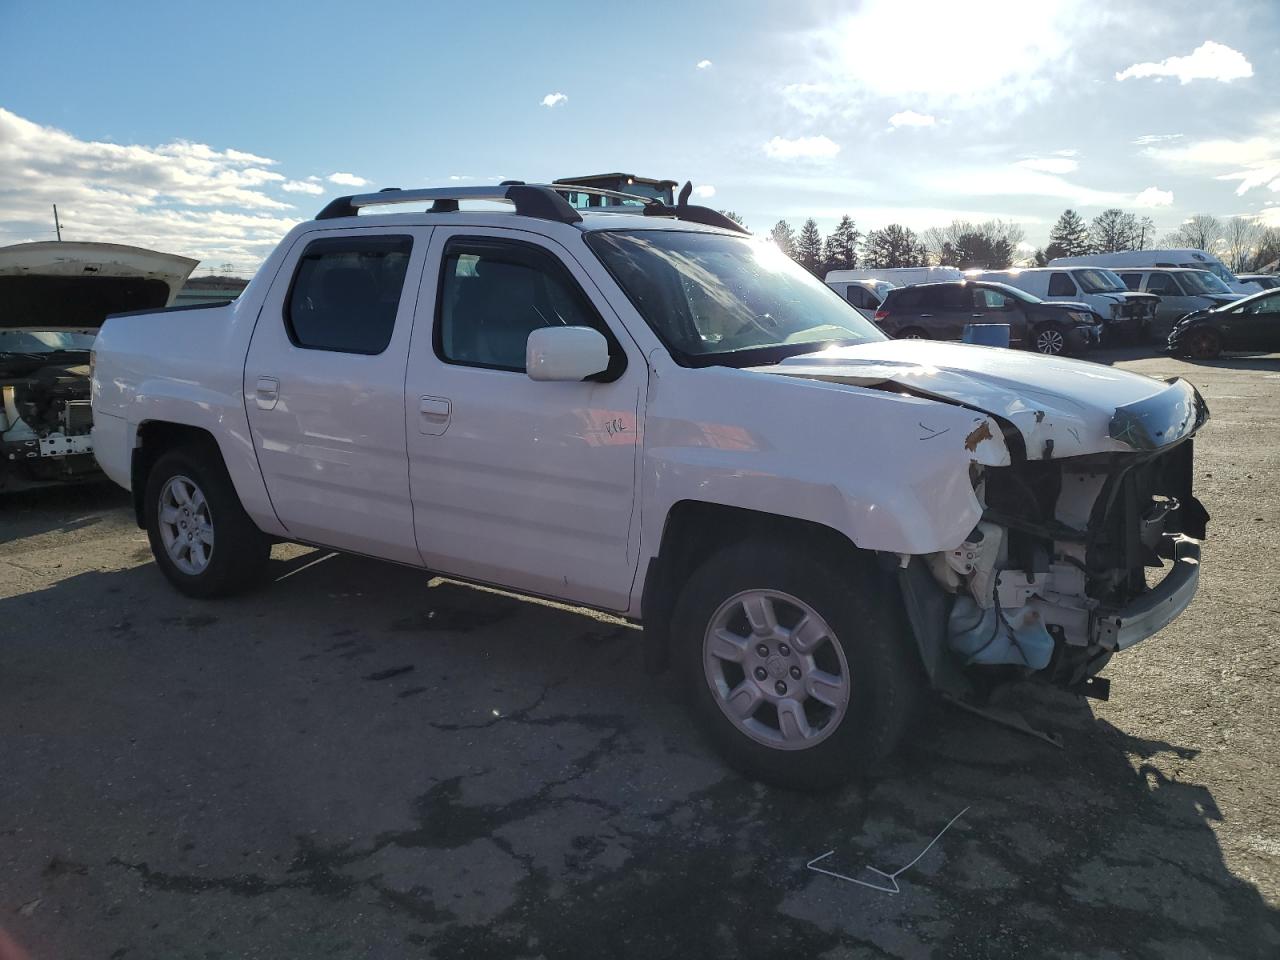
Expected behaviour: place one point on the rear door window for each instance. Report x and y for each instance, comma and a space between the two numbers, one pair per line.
346, 292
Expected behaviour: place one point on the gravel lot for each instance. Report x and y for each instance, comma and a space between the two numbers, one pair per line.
359, 762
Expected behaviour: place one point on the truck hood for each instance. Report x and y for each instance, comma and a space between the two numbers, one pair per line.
74, 286
1059, 407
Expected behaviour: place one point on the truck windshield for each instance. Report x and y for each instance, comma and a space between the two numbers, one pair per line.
717, 299
1202, 281
1099, 281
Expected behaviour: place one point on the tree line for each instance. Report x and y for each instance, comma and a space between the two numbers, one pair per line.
1241, 242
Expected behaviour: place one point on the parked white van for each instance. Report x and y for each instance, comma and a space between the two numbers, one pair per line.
1125, 313
865, 296
898, 276
1192, 259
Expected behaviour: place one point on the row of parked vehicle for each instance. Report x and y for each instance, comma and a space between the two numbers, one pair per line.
1074, 303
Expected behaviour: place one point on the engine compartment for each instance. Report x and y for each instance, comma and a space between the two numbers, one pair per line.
46, 417
1062, 546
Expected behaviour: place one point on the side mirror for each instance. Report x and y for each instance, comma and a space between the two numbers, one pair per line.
565, 353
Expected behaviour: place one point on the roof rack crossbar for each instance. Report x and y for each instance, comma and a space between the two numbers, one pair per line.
545, 202
530, 201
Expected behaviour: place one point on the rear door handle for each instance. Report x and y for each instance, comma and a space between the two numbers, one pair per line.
268, 392
433, 415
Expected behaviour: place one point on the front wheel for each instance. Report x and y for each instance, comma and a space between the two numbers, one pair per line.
794, 669
1050, 340
1204, 344
202, 540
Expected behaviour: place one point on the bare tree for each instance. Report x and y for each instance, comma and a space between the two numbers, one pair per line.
1241, 237
1201, 232
736, 218
1267, 254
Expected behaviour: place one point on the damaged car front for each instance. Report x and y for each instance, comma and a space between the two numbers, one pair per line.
53, 298
1088, 540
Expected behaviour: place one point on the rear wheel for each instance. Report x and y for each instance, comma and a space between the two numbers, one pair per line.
1204, 344
795, 672
203, 541
912, 333
1049, 339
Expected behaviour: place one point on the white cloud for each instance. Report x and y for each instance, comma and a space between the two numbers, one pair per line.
1150, 138
802, 148
909, 118
314, 178
302, 186
179, 197
1058, 164
348, 180
1011, 54
460, 176
704, 191
554, 99
1252, 162
703, 64
1209, 61
1153, 197
1018, 181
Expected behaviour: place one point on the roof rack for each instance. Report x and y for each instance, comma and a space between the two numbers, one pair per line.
541, 201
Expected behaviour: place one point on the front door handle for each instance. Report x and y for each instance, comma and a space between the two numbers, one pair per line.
268, 392
433, 415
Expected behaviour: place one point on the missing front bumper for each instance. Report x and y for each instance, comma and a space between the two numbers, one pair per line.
1152, 612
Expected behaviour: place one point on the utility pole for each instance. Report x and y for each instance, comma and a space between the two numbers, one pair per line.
56, 225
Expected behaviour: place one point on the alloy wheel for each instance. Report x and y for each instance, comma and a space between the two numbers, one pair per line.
1050, 341
775, 669
186, 526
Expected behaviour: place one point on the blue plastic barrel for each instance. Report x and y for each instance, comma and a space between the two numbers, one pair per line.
987, 334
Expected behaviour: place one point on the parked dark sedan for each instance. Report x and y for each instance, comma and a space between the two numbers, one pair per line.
941, 311
1249, 324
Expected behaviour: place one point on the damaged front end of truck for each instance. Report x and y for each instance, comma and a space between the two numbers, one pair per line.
1075, 557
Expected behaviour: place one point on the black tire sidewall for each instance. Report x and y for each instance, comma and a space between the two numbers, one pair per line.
239, 548
882, 679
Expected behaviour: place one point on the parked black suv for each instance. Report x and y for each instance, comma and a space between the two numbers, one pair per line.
941, 311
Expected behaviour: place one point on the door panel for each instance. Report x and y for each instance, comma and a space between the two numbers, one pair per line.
327, 413
529, 485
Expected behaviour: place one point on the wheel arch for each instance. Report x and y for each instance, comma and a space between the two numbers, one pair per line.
693, 530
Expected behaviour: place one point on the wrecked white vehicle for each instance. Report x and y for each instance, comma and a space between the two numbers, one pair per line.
658, 416
53, 298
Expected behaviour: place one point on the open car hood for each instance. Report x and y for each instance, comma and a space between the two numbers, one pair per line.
1060, 407
74, 286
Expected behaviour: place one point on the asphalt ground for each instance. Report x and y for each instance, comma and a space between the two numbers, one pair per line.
358, 761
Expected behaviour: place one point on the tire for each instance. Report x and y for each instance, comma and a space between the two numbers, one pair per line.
232, 552
912, 333
1049, 339
1203, 344
850, 637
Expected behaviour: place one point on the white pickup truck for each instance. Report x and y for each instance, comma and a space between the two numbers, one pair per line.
661, 417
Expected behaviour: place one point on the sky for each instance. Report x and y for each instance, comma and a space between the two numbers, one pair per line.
208, 131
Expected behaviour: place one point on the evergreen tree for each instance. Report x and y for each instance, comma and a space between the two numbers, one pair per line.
784, 237
841, 251
736, 218
893, 246
808, 252
1068, 238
